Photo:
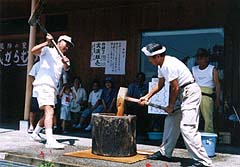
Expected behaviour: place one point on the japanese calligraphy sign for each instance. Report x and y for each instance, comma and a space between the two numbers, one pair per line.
13, 53
109, 54
98, 54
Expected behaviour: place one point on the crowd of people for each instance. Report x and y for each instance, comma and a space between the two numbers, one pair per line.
74, 107
193, 89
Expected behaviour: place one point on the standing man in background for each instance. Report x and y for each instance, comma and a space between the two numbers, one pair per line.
206, 76
138, 89
186, 120
46, 81
34, 108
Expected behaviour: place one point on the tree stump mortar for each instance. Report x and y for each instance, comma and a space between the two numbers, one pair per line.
113, 135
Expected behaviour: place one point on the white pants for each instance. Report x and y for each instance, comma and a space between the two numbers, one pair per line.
185, 121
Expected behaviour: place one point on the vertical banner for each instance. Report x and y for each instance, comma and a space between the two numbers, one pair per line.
109, 54
98, 54
161, 98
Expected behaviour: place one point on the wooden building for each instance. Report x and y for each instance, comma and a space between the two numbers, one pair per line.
110, 20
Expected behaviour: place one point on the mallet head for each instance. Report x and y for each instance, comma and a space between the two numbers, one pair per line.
34, 18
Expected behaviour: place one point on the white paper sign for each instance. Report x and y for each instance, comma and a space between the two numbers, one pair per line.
116, 57
98, 54
161, 98
109, 54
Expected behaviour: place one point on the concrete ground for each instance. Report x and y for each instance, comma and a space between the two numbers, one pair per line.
16, 146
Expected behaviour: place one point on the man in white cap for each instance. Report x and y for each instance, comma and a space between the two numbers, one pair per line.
186, 120
45, 84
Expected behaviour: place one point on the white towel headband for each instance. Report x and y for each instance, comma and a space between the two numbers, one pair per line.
147, 53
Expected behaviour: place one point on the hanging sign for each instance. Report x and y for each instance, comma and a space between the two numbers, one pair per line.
13, 53
109, 54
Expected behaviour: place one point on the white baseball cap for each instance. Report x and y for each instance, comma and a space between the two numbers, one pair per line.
67, 39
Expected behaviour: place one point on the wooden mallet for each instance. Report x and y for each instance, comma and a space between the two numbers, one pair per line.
135, 100
122, 96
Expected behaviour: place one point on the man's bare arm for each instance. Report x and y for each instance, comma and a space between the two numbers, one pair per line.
36, 50
155, 89
174, 89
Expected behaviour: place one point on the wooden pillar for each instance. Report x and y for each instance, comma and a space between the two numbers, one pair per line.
32, 40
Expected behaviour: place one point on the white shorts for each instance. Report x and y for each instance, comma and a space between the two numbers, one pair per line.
45, 95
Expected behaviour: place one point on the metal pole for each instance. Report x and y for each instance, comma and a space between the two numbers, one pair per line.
32, 40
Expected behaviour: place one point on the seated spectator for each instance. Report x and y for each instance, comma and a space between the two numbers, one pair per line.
66, 96
80, 102
138, 89
93, 103
107, 100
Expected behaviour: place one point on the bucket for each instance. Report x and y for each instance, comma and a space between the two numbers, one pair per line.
209, 142
155, 135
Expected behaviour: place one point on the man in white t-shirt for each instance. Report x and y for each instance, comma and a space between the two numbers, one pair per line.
206, 76
186, 119
46, 81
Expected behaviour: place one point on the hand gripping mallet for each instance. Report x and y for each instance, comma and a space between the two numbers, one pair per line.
135, 100
122, 96
35, 20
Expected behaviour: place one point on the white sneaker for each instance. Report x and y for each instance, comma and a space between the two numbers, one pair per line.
54, 144
89, 127
78, 126
37, 137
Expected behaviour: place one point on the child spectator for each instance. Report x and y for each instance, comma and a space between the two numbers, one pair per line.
66, 97
93, 103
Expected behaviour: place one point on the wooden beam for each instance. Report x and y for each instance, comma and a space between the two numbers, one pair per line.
32, 40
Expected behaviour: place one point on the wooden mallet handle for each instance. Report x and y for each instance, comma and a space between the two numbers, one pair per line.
135, 100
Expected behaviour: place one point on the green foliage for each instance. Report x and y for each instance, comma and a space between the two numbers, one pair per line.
47, 164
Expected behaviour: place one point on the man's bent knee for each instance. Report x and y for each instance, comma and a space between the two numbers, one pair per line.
48, 110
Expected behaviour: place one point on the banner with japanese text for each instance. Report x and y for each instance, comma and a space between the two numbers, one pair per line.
13, 53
